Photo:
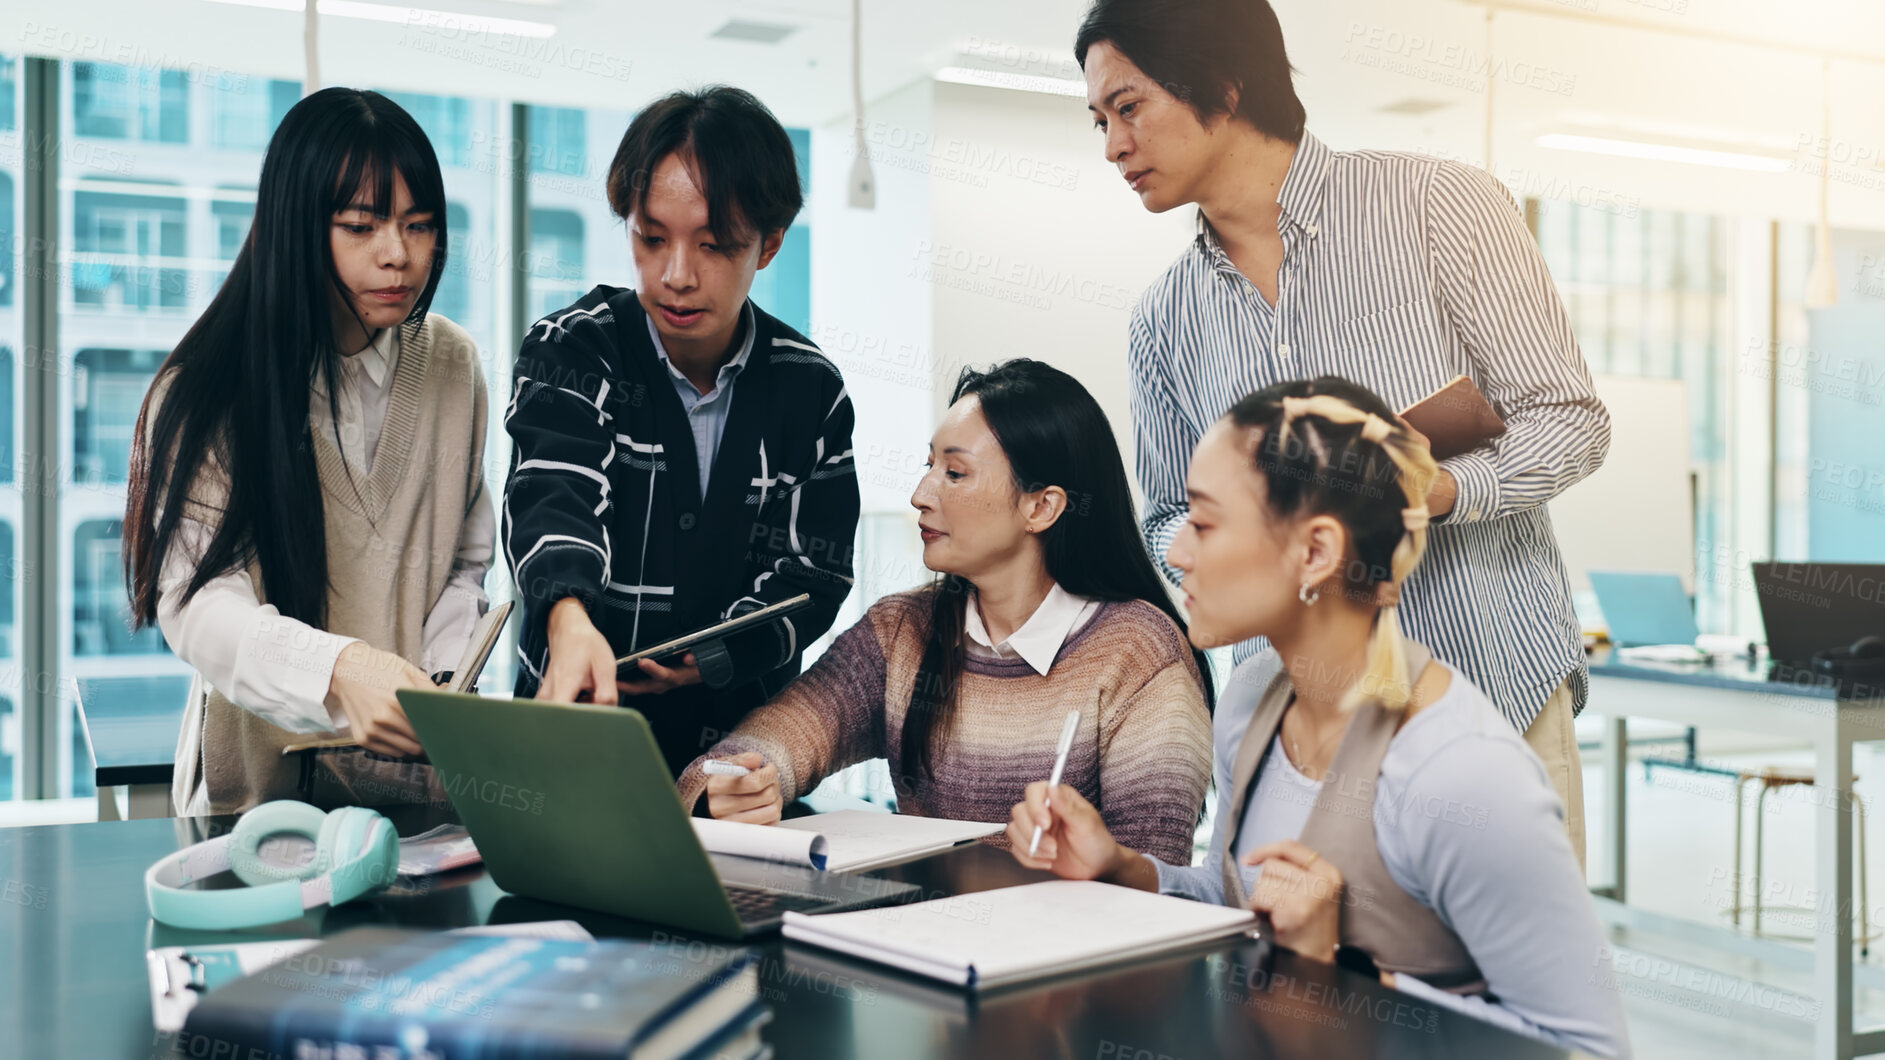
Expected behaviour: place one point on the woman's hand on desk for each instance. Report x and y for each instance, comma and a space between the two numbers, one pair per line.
1075, 843
580, 659
753, 799
1302, 893
362, 687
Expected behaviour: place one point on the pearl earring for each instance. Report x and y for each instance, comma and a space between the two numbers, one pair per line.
1307, 597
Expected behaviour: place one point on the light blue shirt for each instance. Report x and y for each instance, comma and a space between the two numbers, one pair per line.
707, 413
1469, 826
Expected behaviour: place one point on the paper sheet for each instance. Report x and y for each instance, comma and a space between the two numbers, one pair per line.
441, 849
862, 839
765, 842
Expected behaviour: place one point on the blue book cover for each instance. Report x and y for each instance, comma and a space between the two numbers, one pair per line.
390, 994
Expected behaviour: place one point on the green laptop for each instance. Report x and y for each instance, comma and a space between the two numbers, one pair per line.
573, 803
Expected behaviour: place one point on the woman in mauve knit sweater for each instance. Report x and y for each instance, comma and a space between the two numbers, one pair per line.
1047, 602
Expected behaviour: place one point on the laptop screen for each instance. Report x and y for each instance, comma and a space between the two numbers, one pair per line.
1814, 607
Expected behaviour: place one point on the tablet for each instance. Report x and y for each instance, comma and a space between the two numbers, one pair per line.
687, 642
478, 652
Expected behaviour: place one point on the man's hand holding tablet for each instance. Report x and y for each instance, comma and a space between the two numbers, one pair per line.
582, 665
660, 678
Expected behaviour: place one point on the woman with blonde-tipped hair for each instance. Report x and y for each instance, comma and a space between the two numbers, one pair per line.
1373, 806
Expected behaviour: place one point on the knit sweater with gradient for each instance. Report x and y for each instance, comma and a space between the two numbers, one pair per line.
1141, 753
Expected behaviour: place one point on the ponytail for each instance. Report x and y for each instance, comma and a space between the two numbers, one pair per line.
1385, 674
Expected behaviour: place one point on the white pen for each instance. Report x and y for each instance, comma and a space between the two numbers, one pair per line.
1060, 766
719, 767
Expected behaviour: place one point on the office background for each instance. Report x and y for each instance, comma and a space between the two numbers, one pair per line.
1680, 233
1674, 159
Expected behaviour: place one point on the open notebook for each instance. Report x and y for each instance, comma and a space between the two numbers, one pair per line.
990, 938
845, 841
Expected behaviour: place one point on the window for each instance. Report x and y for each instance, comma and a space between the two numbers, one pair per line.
1793, 480
12, 150
122, 244
784, 287
557, 142
107, 390
7, 408
245, 110
129, 103
1829, 376
453, 296
556, 260
232, 217
9, 645
100, 616
575, 241
1647, 293
9, 747
147, 231
448, 122
9, 95
6, 239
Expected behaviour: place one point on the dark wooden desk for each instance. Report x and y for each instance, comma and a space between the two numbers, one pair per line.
73, 931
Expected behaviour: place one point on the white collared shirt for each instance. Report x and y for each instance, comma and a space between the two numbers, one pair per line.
365, 391
1039, 640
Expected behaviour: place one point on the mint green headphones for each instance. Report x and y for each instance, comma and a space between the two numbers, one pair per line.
356, 852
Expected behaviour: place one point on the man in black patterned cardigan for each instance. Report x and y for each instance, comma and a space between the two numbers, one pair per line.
680, 455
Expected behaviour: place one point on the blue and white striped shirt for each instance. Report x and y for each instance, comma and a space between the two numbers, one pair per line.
1399, 272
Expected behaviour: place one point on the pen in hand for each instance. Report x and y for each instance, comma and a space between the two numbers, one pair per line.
1060, 766
717, 767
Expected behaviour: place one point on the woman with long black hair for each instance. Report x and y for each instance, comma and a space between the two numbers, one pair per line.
306, 518
1047, 602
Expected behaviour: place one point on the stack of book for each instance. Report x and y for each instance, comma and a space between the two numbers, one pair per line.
438, 996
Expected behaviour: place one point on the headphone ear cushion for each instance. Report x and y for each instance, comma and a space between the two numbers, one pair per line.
282, 817
340, 840
383, 844
367, 845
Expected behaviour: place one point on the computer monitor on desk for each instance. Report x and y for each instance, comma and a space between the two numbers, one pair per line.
1809, 608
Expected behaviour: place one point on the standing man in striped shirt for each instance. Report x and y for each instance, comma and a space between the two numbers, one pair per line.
681, 455
1394, 270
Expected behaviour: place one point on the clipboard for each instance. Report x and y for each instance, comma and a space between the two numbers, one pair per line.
709, 637
470, 665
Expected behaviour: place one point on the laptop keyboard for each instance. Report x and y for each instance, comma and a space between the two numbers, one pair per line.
756, 903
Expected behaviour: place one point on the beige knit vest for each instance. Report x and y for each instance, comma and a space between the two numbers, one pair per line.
1376, 916
392, 536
